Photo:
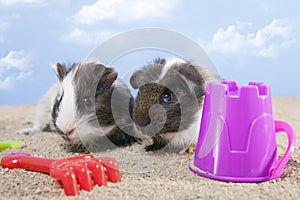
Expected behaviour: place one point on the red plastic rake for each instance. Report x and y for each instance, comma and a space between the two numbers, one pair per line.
74, 173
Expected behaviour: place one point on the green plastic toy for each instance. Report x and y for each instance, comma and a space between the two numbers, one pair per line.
6, 144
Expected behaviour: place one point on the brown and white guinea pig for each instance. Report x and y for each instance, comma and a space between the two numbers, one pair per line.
82, 107
168, 106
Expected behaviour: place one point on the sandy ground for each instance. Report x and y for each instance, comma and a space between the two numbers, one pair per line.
144, 175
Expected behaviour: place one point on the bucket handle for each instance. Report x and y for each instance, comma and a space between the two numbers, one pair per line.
281, 126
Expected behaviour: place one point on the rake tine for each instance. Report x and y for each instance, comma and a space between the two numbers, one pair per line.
98, 172
111, 167
83, 176
68, 180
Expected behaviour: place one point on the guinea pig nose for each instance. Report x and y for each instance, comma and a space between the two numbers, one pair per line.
69, 132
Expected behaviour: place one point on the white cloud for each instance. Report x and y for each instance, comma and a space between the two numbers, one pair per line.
15, 66
124, 10
265, 42
14, 2
81, 37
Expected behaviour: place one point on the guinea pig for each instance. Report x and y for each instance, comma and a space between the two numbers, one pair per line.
168, 106
82, 106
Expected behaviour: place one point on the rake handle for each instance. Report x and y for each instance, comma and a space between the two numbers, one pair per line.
26, 161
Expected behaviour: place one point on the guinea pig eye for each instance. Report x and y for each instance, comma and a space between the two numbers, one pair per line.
88, 101
166, 97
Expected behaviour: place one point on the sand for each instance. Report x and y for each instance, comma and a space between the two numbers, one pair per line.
144, 175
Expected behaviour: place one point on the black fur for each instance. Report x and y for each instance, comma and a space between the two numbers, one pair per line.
63, 69
54, 114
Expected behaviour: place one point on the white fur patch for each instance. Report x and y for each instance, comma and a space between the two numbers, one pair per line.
169, 63
86, 132
67, 111
183, 139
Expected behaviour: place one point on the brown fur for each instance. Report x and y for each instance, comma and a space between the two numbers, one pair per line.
161, 120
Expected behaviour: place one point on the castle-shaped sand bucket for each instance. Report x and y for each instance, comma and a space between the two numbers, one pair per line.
237, 138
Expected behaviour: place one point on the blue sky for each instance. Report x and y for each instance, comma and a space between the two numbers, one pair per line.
254, 40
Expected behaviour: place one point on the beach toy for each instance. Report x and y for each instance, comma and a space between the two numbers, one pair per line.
6, 144
237, 137
74, 173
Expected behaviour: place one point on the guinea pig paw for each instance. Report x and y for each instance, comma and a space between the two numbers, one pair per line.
27, 131
153, 147
159, 142
149, 147
130, 140
191, 149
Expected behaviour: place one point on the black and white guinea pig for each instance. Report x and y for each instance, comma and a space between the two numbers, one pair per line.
168, 106
79, 107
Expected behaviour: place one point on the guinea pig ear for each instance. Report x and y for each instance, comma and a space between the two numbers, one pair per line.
109, 76
192, 74
135, 79
61, 71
